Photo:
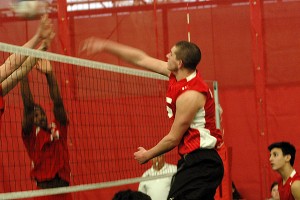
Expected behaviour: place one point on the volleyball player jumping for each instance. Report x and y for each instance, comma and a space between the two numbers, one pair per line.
191, 108
46, 144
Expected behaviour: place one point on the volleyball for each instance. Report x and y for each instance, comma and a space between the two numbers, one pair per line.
29, 8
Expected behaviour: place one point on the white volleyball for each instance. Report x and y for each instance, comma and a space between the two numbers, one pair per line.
30, 9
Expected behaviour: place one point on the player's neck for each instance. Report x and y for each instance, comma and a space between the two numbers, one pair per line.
183, 73
286, 172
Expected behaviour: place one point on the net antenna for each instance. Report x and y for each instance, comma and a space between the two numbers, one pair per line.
218, 109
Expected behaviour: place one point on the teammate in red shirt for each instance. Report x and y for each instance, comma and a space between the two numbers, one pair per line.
191, 108
46, 144
282, 157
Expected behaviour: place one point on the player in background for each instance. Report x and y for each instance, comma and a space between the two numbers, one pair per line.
158, 188
282, 158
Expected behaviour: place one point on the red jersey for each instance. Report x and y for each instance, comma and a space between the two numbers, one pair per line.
285, 192
49, 156
202, 132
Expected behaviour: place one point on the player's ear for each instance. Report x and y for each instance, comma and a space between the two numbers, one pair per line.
180, 63
288, 157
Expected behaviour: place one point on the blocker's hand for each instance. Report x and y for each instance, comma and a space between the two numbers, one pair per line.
45, 28
46, 42
44, 66
140, 155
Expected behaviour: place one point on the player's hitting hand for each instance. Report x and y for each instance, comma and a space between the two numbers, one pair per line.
140, 155
93, 45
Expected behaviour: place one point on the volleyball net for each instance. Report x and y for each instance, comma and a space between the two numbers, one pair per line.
112, 110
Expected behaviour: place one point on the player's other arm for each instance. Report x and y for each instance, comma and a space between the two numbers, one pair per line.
295, 188
127, 53
59, 111
28, 102
14, 61
187, 105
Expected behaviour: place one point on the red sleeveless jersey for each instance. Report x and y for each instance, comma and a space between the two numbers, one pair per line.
285, 192
49, 156
202, 132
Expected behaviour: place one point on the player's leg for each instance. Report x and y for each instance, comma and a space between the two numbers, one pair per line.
199, 174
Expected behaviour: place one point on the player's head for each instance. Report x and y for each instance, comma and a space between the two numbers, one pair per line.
130, 195
40, 118
158, 162
189, 53
284, 149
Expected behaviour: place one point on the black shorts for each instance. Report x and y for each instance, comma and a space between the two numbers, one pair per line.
198, 175
53, 183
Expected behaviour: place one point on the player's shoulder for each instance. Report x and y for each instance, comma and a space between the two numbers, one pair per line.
296, 184
197, 83
295, 188
297, 175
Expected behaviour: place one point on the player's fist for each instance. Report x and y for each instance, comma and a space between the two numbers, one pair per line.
141, 155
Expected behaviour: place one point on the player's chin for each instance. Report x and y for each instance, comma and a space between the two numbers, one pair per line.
273, 167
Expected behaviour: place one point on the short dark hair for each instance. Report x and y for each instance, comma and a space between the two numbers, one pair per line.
273, 185
287, 149
37, 106
189, 53
130, 195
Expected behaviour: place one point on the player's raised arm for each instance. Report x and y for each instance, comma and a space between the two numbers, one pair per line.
11, 81
45, 67
127, 53
28, 102
14, 61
